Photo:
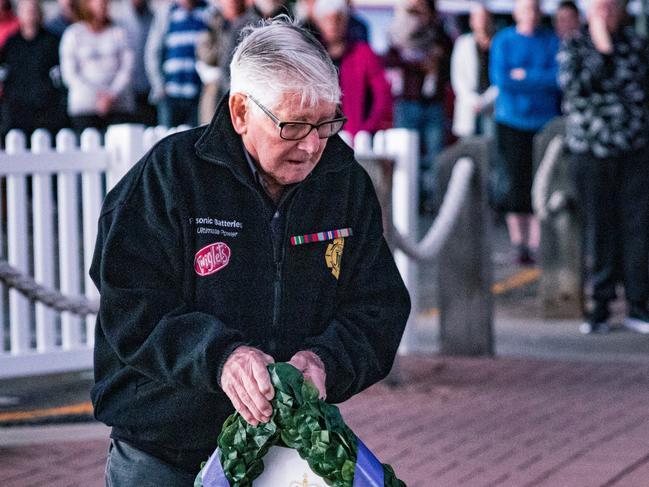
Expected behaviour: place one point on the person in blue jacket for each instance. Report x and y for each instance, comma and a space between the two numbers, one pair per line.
257, 238
523, 66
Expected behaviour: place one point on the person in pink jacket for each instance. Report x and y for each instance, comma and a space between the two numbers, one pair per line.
367, 98
9, 24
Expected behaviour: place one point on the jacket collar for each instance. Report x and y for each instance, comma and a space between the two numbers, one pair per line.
220, 144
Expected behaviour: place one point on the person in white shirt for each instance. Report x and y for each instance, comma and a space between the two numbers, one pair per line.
97, 67
474, 94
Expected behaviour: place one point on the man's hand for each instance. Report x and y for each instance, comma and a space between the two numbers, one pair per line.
312, 368
600, 35
105, 102
246, 382
518, 74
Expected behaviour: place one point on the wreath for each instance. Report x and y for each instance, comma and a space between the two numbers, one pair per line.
300, 421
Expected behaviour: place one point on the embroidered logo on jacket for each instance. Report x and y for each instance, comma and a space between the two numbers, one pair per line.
211, 258
334, 255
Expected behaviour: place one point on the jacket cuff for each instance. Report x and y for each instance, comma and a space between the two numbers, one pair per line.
226, 354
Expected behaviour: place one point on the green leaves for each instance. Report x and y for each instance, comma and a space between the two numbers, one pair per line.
300, 421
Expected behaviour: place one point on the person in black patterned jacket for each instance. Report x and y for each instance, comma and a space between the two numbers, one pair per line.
604, 74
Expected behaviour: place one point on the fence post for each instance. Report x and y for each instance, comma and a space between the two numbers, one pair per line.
403, 144
67, 195
43, 241
125, 144
465, 273
91, 197
150, 138
19, 333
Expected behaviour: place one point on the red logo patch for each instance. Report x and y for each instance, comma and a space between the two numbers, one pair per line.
212, 258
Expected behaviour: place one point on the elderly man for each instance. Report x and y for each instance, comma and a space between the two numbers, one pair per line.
255, 239
605, 78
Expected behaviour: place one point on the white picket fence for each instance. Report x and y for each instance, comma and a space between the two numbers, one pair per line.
50, 202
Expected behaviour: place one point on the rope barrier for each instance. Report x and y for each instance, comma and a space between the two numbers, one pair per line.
448, 216
27, 286
544, 203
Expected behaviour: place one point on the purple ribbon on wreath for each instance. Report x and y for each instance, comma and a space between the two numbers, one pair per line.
368, 472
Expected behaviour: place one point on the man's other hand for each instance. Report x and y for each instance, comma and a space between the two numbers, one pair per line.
246, 382
312, 368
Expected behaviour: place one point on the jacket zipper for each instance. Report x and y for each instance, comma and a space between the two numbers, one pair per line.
278, 257
277, 301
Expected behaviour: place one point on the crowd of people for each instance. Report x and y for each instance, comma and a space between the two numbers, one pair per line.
170, 66
83, 68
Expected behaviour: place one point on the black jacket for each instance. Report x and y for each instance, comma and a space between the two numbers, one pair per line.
31, 98
164, 330
606, 97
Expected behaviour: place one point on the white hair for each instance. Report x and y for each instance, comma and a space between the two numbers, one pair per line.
278, 57
323, 8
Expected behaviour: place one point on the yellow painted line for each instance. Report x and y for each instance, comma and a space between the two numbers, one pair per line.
520, 279
82, 408
429, 313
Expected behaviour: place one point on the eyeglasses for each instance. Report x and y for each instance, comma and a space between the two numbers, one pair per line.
299, 130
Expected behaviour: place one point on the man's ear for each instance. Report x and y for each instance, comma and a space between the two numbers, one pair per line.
238, 111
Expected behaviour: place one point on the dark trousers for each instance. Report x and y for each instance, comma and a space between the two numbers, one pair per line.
512, 174
614, 196
145, 113
173, 112
83, 122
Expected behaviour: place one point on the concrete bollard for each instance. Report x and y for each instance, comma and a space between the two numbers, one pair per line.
555, 202
465, 271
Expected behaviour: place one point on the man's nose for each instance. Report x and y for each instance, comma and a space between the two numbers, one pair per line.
310, 143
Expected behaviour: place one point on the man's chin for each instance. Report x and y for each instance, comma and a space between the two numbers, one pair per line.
299, 174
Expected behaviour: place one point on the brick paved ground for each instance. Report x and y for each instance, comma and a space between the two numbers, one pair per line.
456, 422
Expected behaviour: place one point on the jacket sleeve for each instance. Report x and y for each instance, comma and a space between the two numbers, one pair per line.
144, 310
463, 81
488, 98
381, 112
580, 74
153, 54
4, 50
359, 345
70, 68
124, 75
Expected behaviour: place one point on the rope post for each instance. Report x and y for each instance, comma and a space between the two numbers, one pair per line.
465, 274
555, 202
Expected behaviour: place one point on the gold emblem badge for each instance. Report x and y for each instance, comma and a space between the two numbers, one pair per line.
304, 483
334, 255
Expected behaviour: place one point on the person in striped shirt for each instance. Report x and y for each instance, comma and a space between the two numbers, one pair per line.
171, 61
